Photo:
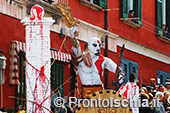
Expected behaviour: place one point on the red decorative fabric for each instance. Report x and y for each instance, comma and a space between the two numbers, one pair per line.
128, 90
98, 64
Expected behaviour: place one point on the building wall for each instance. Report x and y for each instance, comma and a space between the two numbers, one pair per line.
140, 35
12, 29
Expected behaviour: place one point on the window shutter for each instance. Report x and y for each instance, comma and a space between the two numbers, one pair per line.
137, 6
162, 76
52, 77
124, 8
168, 16
159, 19
101, 3
133, 68
129, 67
125, 66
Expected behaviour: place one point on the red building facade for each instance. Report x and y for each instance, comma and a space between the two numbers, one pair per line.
146, 51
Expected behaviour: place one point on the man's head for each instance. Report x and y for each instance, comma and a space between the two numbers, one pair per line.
94, 46
167, 85
159, 95
144, 89
152, 81
131, 13
164, 27
166, 95
132, 77
161, 88
149, 88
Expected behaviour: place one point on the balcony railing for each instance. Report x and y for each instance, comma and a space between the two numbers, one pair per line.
56, 1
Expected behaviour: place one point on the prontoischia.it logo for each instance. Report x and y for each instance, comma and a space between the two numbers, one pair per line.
59, 102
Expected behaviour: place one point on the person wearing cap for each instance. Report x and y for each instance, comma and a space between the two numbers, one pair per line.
152, 83
167, 87
149, 88
145, 90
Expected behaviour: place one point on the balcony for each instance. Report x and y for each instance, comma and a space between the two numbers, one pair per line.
130, 23
90, 4
163, 35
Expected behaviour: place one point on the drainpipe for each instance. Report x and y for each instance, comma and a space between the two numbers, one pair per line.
106, 43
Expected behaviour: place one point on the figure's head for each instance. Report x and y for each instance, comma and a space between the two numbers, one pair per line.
94, 46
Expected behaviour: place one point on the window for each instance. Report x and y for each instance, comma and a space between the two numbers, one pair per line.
94, 4
162, 76
136, 6
21, 89
57, 78
129, 67
162, 17
101, 3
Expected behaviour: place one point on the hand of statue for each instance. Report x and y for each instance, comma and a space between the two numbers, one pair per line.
73, 32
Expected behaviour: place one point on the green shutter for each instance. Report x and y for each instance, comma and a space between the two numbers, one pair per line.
159, 19
124, 8
73, 79
20, 89
129, 67
52, 77
101, 3
162, 76
133, 68
137, 7
125, 66
168, 16
57, 77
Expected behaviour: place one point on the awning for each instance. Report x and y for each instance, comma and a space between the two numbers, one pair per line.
60, 56
16, 47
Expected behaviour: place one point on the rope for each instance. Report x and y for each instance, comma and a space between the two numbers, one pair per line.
59, 50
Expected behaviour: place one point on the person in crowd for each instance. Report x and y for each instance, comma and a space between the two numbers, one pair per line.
145, 90
167, 80
130, 90
149, 89
166, 104
143, 85
141, 91
152, 83
156, 87
160, 107
150, 99
144, 109
167, 87
154, 93
161, 88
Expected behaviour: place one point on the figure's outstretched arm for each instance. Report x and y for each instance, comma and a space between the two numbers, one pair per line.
75, 43
110, 65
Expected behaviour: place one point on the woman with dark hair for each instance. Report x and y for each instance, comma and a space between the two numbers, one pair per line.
130, 90
145, 96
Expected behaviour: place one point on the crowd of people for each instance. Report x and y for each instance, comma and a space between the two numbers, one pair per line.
151, 92
156, 91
